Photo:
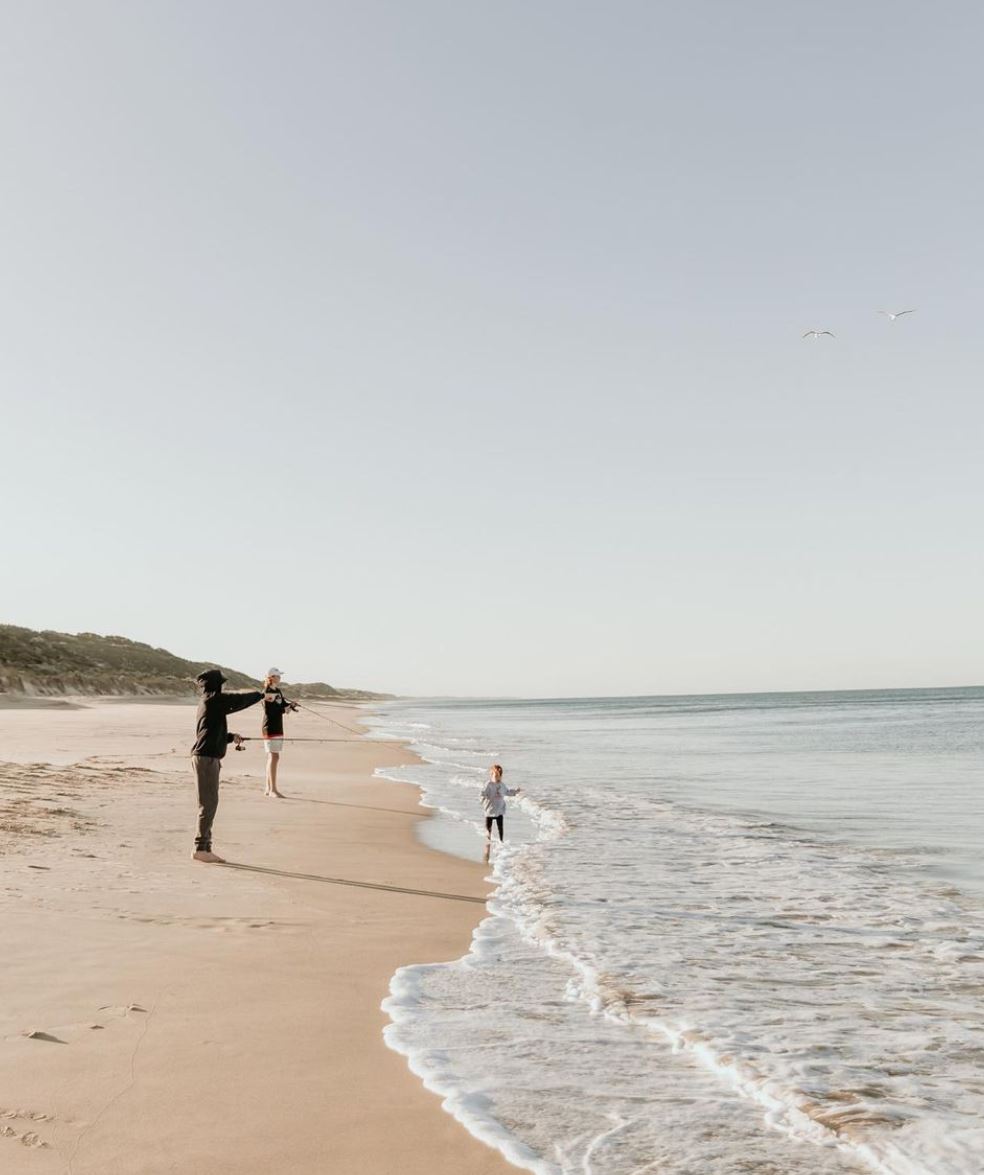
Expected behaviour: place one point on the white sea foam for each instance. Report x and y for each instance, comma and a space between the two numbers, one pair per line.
670, 986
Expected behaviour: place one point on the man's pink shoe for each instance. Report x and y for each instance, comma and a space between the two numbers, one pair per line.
206, 855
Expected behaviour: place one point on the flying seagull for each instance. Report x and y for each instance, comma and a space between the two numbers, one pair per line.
897, 314
815, 334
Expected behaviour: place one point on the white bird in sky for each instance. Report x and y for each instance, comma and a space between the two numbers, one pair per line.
897, 314
815, 334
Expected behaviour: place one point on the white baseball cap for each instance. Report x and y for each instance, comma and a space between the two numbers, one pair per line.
274, 673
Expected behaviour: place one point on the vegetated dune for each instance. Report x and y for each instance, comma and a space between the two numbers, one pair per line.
53, 664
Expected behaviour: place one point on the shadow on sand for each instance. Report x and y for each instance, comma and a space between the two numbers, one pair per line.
422, 893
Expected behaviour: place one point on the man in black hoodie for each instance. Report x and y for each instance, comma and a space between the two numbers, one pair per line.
212, 739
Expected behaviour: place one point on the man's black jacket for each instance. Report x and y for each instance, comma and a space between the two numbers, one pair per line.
212, 733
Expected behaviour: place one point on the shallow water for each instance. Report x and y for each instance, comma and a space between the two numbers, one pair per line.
731, 934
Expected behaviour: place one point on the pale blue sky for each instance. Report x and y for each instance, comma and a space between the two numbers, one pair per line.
455, 347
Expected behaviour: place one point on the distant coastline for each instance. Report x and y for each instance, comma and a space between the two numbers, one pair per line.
48, 664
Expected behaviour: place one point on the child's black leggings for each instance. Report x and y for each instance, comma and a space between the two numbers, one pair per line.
488, 825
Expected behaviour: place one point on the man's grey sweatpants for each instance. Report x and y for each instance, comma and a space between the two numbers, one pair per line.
207, 769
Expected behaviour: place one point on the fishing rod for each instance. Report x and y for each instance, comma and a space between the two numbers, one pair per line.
281, 738
334, 722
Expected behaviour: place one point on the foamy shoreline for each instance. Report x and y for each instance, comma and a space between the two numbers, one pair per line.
706, 971
158, 1015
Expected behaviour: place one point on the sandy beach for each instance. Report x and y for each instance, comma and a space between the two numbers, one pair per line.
159, 1015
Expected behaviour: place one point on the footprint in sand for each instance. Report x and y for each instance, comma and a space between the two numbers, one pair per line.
69, 1030
37, 1034
29, 1138
121, 1009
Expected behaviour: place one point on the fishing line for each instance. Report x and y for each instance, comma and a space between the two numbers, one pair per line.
360, 734
325, 718
350, 729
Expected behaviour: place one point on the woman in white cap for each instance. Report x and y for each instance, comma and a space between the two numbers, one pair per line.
275, 706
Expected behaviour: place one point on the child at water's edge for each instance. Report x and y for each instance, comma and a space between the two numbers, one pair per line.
494, 802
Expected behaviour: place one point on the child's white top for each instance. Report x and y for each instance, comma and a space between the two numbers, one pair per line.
494, 797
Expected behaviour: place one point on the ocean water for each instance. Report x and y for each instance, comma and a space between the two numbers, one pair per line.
730, 934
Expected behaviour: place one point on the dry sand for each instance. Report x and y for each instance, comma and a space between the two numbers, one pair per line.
159, 1015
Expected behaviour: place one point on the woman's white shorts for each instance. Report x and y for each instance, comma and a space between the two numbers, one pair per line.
274, 746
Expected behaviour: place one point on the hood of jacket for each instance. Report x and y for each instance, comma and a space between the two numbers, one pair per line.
211, 681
